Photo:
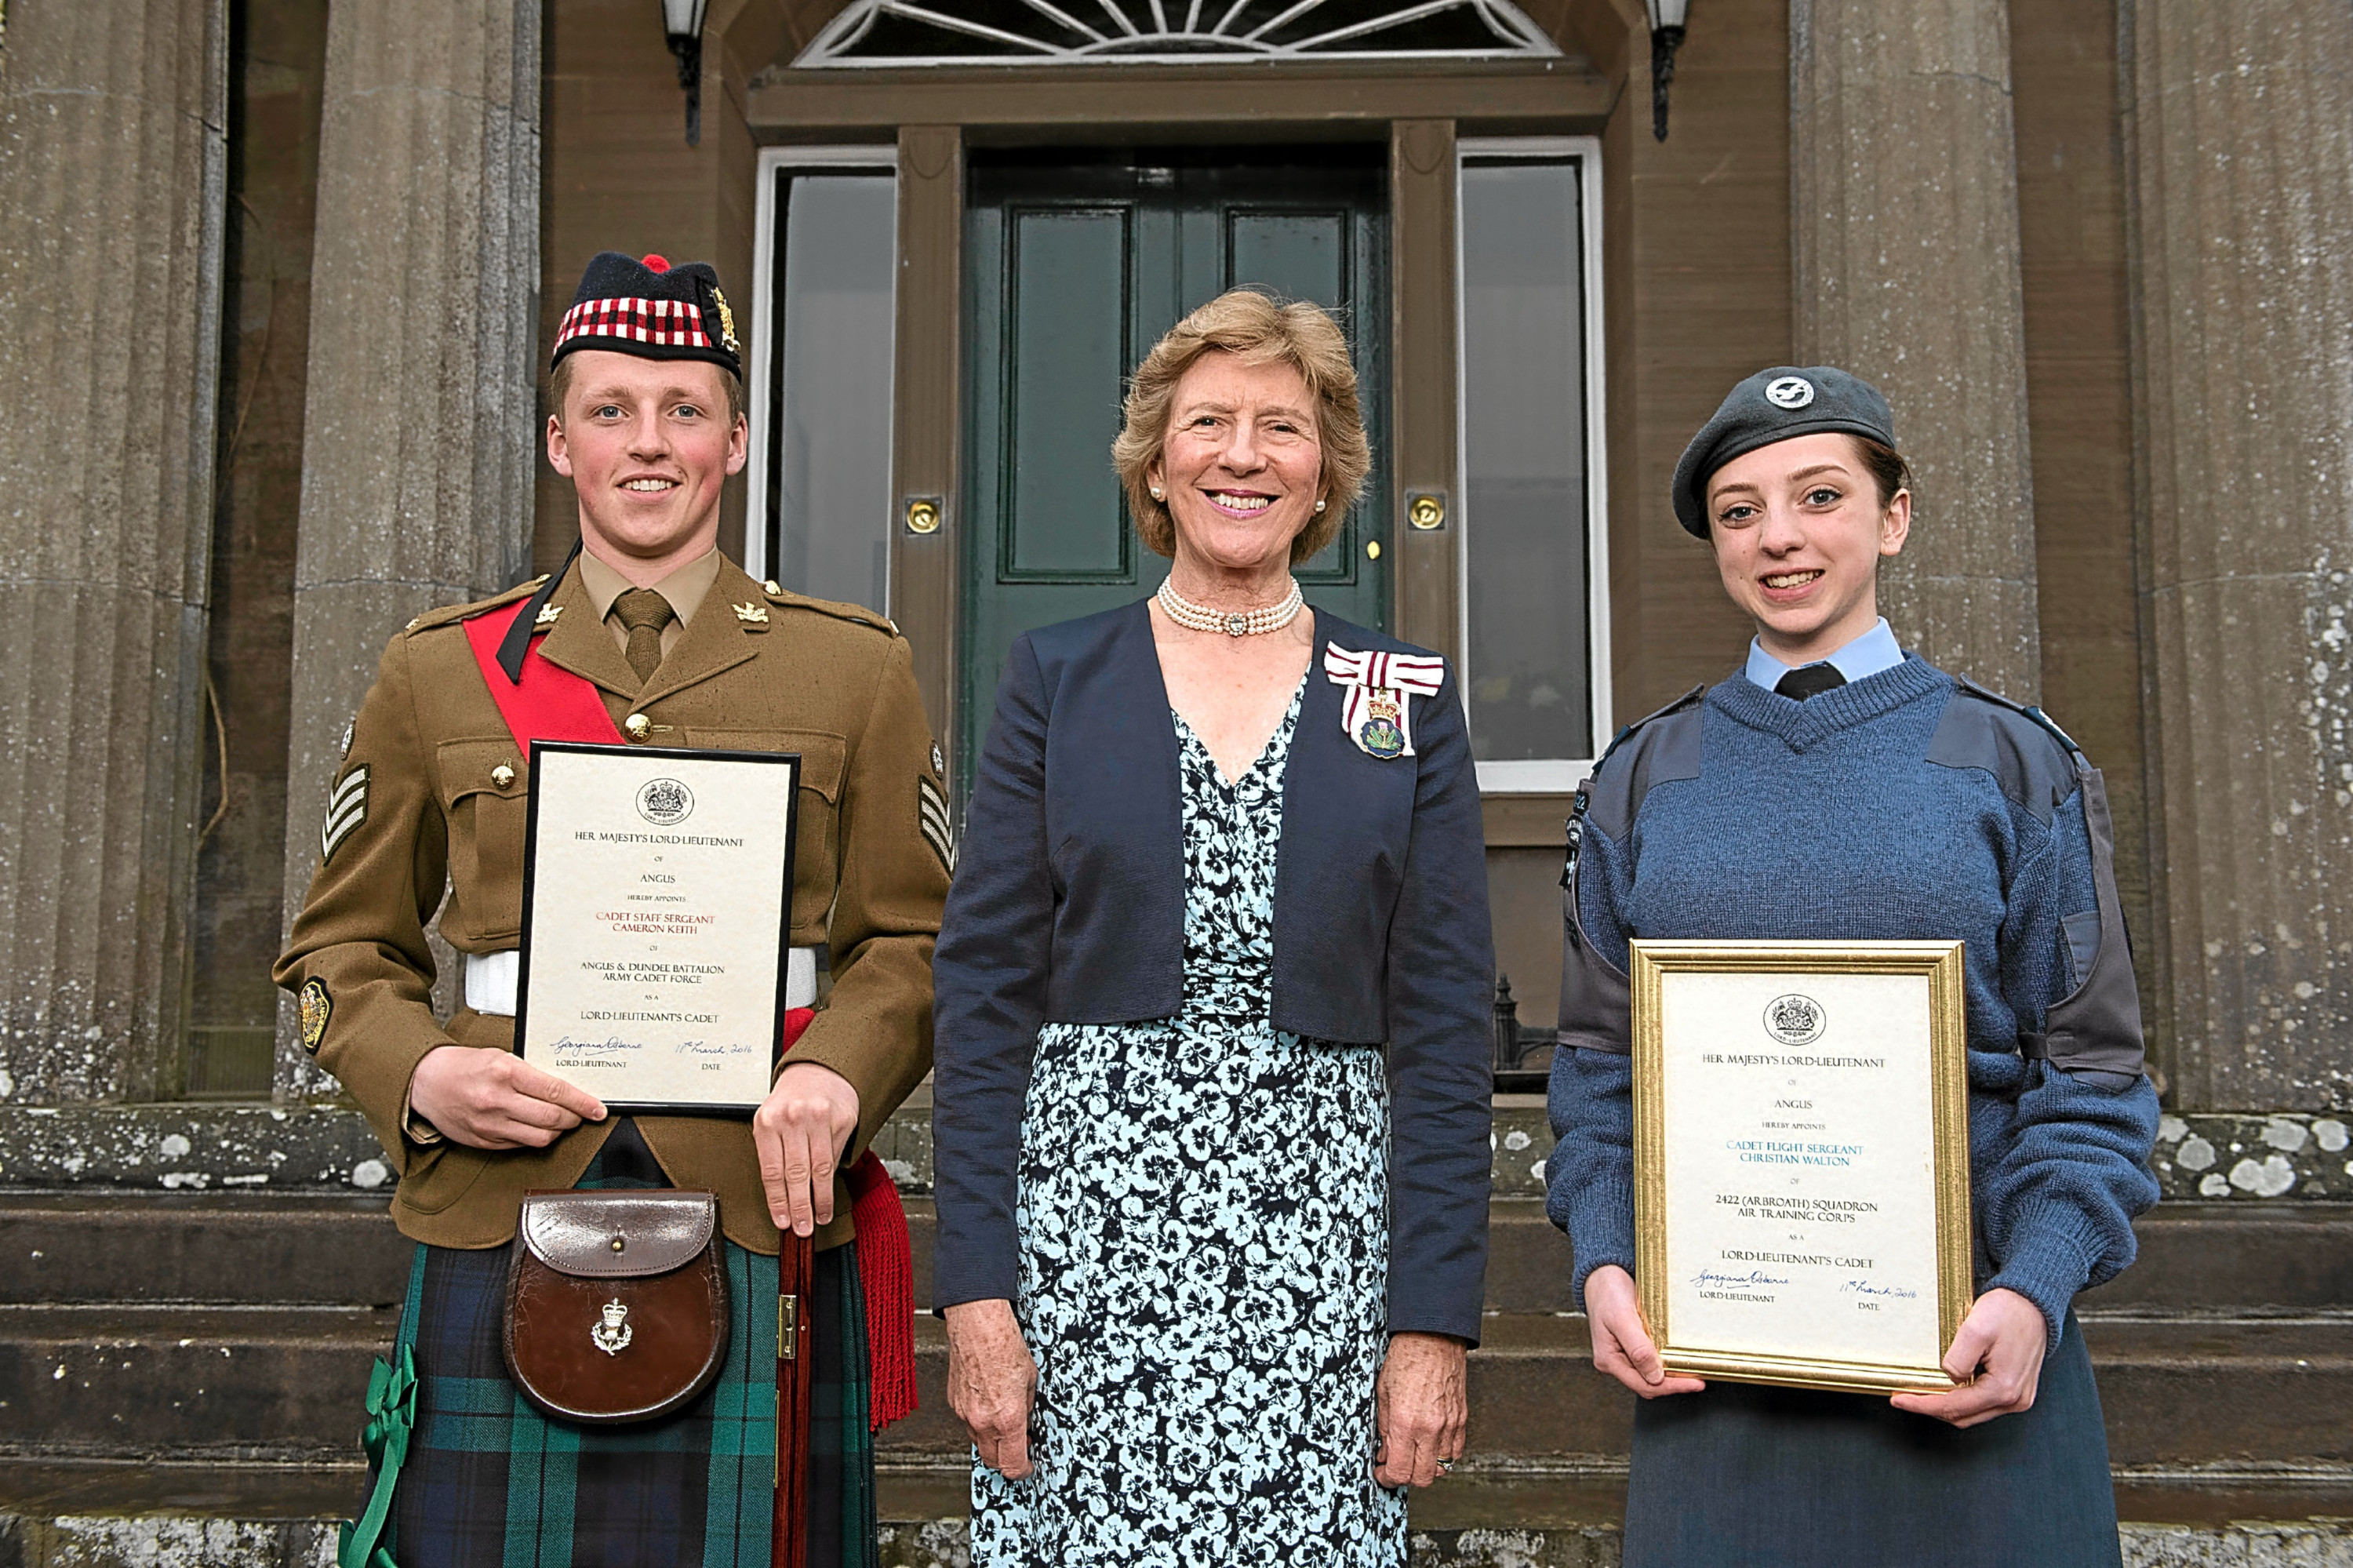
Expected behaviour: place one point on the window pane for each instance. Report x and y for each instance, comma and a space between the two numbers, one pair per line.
1524, 461
830, 481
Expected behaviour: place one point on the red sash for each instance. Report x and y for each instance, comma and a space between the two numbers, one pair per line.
552, 704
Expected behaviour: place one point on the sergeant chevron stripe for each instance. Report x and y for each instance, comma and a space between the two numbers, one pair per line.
346, 810
932, 817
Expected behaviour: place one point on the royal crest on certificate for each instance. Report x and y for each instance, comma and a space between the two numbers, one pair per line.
1802, 1159
657, 899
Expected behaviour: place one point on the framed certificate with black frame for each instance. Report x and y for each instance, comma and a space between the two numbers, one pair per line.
657, 917
1801, 1162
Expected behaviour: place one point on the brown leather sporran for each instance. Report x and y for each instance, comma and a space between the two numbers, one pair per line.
617, 1302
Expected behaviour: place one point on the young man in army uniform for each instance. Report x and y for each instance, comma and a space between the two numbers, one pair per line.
680, 649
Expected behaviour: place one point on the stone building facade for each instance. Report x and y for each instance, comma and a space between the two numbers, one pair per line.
280, 276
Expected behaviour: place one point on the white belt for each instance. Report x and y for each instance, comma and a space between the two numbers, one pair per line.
490, 980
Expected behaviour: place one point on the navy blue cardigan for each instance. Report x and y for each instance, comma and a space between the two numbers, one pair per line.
1069, 908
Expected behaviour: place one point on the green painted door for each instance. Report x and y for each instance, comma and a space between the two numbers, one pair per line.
1075, 270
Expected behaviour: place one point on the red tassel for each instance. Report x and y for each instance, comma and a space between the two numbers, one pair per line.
886, 1270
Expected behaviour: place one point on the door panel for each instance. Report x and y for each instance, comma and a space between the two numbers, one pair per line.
1059, 507
1075, 271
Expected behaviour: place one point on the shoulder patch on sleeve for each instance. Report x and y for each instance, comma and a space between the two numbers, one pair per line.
346, 810
932, 821
316, 1008
1652, 751
2031, 759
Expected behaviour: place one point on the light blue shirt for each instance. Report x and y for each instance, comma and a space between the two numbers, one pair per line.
1868, 654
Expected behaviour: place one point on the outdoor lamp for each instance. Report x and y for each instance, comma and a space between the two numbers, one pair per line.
682, 24
1666, 37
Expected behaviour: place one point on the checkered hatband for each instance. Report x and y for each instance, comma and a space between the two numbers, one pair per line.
651, 309
669, 324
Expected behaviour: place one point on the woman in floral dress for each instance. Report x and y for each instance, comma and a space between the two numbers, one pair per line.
1211, 1095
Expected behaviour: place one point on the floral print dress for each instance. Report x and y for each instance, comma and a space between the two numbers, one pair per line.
1204, 1223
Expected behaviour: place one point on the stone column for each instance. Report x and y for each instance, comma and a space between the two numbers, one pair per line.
2239, 141
1904, 221
112, 161
420, 414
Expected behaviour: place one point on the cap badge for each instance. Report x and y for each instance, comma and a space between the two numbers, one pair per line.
726, 322
1789, 392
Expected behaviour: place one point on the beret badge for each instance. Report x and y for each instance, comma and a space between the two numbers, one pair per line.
1788, 392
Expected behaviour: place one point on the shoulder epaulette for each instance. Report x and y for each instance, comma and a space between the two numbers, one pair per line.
857, 614
1611, 802
447, 613
2041, 720
1625, 731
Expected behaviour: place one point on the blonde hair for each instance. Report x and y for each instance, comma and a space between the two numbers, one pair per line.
1262, 329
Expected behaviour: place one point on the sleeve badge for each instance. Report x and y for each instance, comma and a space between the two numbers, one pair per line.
346, 810
932, 821
316, 1008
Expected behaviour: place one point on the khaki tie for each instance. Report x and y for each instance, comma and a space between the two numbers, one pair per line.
644, 612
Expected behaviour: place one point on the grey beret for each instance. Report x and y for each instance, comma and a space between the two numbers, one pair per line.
1773, 406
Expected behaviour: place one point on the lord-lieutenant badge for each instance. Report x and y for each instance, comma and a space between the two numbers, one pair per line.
1378, 688
1380, 734
316, 1008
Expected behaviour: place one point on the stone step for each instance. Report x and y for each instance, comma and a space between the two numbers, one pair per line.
2236, 1259
233, 1248
270, 1514
115, 1380
100, 1381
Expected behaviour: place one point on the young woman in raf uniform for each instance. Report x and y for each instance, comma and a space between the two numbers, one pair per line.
1839, 789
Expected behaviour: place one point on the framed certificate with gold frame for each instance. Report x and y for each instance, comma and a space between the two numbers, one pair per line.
1802, 1159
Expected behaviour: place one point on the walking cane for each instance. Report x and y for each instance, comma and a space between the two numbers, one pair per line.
788, 1546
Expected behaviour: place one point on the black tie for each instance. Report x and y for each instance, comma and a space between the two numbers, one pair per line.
1807, 680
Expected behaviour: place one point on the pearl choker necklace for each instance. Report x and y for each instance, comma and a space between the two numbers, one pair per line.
1238, 623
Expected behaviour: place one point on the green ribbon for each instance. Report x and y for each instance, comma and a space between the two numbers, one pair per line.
392, 1414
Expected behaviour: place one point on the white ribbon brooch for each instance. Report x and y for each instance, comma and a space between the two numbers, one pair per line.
1374, 713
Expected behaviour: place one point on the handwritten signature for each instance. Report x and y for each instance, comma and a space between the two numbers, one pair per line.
565, 1042
1709, 1279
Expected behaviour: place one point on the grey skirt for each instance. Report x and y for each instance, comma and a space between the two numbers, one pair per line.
1778, 1478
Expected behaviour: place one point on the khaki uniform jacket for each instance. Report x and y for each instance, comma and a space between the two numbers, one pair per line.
755, 671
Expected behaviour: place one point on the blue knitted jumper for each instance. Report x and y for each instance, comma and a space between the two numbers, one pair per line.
1827, 820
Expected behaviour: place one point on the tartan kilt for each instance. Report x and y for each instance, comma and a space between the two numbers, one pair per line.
489, 1482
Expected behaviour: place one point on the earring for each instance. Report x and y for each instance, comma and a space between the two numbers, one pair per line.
1155, 493
1319, 506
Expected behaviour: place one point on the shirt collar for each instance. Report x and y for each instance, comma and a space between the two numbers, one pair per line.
684, 587
1868, 654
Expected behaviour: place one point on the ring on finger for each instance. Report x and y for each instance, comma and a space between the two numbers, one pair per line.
1445, 1466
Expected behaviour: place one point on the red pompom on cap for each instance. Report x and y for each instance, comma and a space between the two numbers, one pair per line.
656, 263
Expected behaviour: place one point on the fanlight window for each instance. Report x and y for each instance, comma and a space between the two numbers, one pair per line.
1069, 32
